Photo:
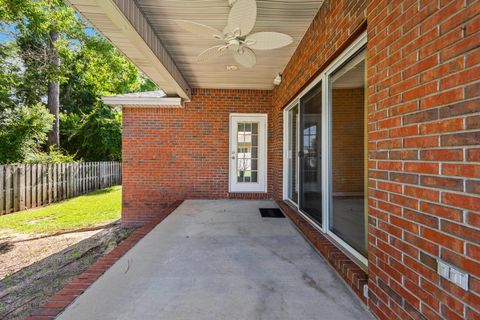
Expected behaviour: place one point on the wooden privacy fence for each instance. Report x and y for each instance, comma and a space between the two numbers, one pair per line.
25, 186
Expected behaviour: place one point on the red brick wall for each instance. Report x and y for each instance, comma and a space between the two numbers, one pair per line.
424, 137
177, 154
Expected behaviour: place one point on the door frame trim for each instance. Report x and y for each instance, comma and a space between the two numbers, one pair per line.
265, 173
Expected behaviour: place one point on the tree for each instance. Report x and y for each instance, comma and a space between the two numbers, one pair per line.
46, 29
10, 77
89, 128
96, 69
22, 131
45, 33
98, 135
54, 91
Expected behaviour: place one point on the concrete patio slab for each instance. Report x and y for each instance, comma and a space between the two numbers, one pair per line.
219, 259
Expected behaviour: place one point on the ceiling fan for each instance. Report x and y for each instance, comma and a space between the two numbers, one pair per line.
236, 35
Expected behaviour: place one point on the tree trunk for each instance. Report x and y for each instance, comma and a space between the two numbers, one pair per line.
54, 92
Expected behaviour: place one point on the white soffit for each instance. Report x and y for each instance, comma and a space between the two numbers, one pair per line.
292, 17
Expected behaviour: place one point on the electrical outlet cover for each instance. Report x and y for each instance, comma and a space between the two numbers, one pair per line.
459, 277
365, 291
443, 269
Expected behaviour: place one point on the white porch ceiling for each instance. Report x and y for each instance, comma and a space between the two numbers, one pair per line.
145, 31
292, 17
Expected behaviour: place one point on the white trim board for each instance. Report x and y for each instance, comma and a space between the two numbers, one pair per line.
143, 101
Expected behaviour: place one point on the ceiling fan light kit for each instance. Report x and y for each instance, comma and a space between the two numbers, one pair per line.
236, 36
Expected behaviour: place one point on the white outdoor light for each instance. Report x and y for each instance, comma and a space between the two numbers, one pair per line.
277, 80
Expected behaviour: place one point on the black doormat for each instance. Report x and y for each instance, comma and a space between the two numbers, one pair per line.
271, 213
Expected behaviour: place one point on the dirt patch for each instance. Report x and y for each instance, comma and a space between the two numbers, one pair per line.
16, 255
48, 264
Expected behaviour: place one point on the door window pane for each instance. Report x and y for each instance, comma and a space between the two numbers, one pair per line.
347, 216
311, 153
247, 152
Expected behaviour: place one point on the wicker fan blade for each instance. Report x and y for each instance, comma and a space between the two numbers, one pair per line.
245, 57
268, 40
242, 16
211, 53
199, 29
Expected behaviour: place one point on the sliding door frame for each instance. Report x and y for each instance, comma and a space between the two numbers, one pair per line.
324, 78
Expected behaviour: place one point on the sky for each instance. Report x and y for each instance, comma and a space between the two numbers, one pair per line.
5, 33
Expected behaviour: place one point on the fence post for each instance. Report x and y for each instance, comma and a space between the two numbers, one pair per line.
109, 174
33, 187
8, 189
76, 178
64, 178
54, 182
15, 187
70, 179
100, 171
28, 186
84, 166
21, 187
90, 175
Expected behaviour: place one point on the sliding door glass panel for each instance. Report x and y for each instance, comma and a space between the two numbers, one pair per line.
347, 215
311, 154
292, 154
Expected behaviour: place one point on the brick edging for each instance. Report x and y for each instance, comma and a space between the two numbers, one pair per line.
353, 275
73, 289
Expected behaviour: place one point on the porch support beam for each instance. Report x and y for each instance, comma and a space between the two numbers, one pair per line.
122, 22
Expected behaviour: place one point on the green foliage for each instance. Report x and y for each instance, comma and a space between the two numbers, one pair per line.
40, 17
97, 136
96, 69
10, 77
22, 131
54, 155
88, 127
90, 68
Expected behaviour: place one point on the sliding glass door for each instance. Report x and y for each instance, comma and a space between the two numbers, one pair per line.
311, 153
325, 151
347, 153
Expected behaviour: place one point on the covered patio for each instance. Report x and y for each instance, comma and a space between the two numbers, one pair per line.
219, 259
361, 119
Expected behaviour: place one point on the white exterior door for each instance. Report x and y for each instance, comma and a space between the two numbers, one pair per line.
248, 153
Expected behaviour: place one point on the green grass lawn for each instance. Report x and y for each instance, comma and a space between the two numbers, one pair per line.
97, 208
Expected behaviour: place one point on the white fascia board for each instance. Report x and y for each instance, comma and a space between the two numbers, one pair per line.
143, 101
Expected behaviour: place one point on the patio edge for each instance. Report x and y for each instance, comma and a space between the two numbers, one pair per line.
354, 276
78, 285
